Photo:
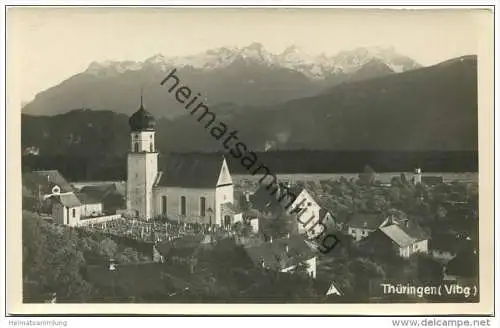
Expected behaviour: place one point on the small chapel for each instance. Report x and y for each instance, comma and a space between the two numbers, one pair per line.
186, 187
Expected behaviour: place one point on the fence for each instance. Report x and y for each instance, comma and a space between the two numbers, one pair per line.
100, 219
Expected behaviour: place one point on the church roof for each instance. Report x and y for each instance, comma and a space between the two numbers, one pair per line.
191, 170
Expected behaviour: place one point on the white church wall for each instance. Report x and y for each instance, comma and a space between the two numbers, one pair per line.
193, 203
223, 194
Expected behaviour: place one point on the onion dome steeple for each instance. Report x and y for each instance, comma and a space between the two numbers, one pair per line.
142, 120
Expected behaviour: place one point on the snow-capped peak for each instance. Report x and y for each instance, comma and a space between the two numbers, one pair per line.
158, 58
313, 66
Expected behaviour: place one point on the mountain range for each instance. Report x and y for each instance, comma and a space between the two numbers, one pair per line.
247, 76
424, 109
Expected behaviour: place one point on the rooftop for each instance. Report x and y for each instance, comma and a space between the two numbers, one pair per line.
366, 220
191, 170
68, 200
275, 254
48, 178
402, 235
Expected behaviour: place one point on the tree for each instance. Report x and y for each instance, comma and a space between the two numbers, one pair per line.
366, 273
368, 176
51, 262
107, 248
128, 255
404, 181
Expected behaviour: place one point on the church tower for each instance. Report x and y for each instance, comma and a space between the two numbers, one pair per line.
142, 164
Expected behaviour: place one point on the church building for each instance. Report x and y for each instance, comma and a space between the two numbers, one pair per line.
191, 187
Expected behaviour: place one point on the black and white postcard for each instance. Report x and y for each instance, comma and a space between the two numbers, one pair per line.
249, 161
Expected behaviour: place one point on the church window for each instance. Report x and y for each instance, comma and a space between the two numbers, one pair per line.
136, 147
203, 205
164, 204
183, 205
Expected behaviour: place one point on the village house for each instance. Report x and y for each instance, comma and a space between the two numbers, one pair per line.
310, 212
52, 195
52, 192
252, 217
403, 240
109, 195
194, 188
90, 206
66, 209
283, 254
361, 224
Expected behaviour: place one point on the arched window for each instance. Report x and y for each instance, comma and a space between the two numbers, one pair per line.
203, 205
136, 147
164, 205
183, 205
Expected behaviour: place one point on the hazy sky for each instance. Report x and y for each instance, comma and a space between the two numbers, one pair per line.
49, 45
